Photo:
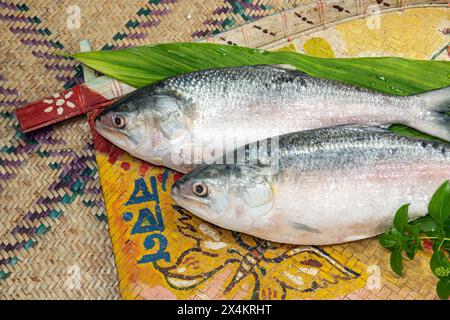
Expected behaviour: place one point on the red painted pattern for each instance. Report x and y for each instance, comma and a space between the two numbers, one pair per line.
177, 176
159, 177
125, 165
143, 168
427, 244
312, 263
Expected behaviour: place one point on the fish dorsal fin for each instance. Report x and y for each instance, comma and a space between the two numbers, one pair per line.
368, 127
287, 67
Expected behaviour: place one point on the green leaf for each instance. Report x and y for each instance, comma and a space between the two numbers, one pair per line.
438, 260
413, 245
143, 65
443, 288
426, 223
447, 226
410, 132
410, 253
387, 240
397, 262
414, 229
439, 206
392, 239
446, 245
401, 218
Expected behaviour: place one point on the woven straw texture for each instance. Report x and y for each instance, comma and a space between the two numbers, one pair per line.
54, 240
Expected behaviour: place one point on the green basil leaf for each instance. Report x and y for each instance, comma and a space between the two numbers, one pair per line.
395, 232
410, 253
446, 245
412, 247
438, 260
392, 239
439, 206
427, 223
447, 228
387, 240
439, 233
443, 288
413, 229
397, 262
401, 218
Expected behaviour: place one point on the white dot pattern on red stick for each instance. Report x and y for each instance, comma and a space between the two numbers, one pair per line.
59, 102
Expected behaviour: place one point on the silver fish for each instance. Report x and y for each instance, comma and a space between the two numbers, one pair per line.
331, 185
195, 117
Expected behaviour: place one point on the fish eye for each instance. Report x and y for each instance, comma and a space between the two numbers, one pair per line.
200, 189
119, 121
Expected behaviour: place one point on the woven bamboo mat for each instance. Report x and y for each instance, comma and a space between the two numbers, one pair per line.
54, 241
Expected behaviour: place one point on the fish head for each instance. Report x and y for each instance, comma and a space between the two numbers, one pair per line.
146, 125
231, 196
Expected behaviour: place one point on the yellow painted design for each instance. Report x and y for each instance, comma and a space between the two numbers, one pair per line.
415, 33
318, 47
183, 257
288, 48
178, 256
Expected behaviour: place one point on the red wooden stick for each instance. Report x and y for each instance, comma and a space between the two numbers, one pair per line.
81, 99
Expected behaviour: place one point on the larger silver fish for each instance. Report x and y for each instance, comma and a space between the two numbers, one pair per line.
332, 185
196, 117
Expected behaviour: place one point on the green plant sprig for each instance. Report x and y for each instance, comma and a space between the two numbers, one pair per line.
406, 237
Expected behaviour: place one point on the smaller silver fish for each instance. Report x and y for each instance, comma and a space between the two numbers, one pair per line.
330, 185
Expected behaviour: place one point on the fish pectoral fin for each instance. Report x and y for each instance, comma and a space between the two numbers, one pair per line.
260, 210
304, 227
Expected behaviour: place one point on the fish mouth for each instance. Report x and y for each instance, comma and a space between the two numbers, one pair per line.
184, 199
175, 193
101, 128
113, 135
107, 131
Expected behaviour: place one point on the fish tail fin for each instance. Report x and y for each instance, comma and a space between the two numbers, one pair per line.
437, 120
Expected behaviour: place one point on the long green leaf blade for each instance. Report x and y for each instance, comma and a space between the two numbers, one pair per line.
140, 66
